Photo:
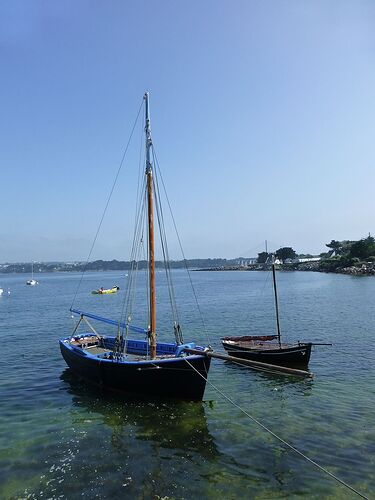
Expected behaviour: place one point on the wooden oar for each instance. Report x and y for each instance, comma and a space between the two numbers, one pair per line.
255, 365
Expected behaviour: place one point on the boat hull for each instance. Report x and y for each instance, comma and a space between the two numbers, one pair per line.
297, 355
178, 378
105, 292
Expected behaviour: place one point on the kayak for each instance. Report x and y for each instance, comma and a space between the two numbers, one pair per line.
102, 291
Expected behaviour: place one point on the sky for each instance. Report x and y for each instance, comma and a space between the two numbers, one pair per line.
262, 115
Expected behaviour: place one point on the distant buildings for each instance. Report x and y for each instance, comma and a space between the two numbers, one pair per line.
247, 262
307, 259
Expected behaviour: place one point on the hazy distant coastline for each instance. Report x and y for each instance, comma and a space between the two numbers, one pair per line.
114, 265
346, 257
240, 264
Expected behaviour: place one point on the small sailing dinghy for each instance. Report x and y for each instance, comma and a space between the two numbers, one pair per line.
261, 348
105, 291
32, 281
142, 367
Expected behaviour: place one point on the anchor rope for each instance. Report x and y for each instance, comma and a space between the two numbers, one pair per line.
264, 369
288, 445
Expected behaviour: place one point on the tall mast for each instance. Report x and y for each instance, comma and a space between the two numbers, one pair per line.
151, 239
276, 304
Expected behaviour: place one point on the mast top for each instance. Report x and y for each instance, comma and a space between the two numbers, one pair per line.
148, 134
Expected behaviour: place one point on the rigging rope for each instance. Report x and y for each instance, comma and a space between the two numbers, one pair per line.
181, 248
164, 245
106, 205
129, 298
288, 445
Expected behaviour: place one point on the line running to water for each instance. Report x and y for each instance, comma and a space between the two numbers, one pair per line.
291, 447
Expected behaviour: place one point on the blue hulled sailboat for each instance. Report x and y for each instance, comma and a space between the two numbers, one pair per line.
141, 367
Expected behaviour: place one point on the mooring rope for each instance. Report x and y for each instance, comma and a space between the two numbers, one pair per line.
264, 369
291, 447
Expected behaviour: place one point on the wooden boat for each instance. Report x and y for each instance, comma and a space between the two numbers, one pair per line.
101, 291
269, 348
144, 368
259, 348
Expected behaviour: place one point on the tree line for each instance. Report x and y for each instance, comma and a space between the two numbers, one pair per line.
112, 265
283, 254
348, 253
339, 254
344, 253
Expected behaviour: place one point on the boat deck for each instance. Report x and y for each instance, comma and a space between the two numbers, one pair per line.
96, 350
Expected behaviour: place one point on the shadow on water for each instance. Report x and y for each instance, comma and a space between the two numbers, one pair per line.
175, 440
172, 424
275, 381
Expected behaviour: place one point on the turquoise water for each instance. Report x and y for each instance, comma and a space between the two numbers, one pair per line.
62, 439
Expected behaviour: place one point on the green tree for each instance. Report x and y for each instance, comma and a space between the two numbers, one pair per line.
363, 248
285, 253
340, 247
262, 257
334, 245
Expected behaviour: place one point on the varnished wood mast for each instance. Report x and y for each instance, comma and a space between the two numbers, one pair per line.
151, 238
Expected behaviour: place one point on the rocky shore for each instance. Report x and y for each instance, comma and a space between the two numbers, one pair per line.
362, 270
357, 271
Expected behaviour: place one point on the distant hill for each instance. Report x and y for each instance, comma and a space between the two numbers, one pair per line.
112, 265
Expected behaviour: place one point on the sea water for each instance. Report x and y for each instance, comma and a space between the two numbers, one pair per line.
60, 438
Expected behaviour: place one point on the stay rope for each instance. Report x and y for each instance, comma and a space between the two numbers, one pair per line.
129, 299
106, 205
181, 248
288, 445
164, 245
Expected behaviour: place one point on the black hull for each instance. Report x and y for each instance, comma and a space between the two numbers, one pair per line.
174, 378
294, 356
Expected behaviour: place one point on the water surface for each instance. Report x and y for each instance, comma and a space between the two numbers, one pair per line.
60, 438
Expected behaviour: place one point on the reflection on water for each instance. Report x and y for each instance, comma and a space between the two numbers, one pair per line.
63, 439
276, 382
174, 425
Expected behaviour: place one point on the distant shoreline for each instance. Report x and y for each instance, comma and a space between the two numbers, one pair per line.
351, 271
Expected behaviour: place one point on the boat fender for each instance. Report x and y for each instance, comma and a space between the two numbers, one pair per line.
182, 347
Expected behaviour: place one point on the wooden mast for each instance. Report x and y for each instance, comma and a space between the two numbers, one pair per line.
276, 304
151, 239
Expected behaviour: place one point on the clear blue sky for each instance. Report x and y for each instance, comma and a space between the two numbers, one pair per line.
262, 115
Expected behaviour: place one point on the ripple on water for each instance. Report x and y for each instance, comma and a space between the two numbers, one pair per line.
62, 439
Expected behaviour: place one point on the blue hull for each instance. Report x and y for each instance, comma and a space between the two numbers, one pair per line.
172, 377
